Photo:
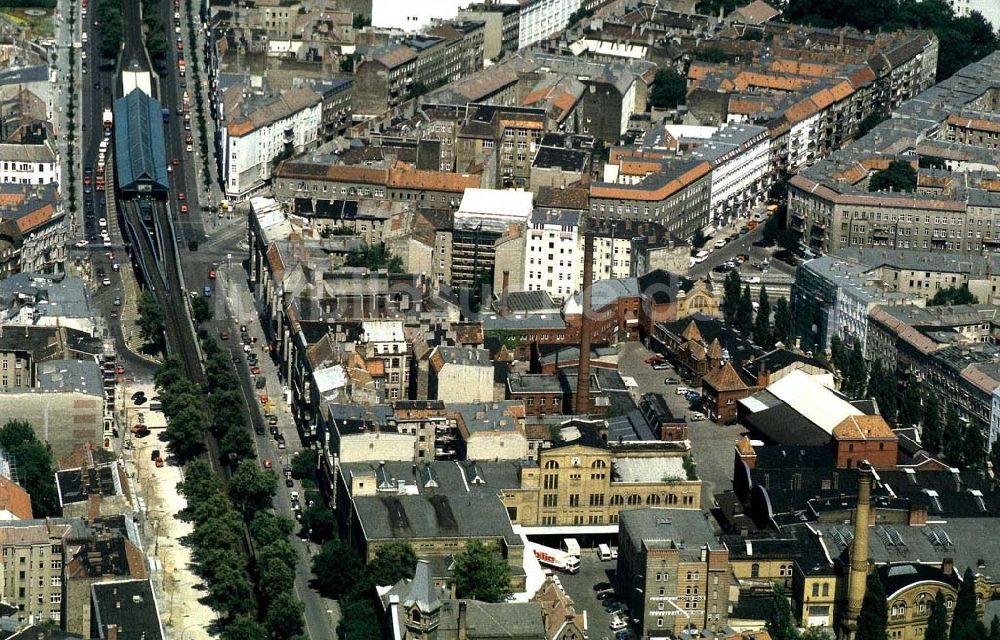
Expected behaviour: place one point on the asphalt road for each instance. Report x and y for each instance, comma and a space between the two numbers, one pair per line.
712, 445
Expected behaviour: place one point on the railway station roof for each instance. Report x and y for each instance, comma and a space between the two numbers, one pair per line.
140, 150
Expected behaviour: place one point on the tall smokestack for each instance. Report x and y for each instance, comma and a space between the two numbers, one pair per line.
583, 369
858, 577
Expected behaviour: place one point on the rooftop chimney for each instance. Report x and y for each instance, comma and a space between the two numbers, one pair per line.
504, 294
583, 369
462, 614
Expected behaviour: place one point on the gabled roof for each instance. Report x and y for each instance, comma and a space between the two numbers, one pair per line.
863, 428
725, 378
422, 592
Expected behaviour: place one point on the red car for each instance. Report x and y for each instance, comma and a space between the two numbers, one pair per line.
175, 162
211, 274
184, 208
224, 335
653, 359
263, 398
180, 45
267, 463
255, 371
180, 195
86, 180
120, 370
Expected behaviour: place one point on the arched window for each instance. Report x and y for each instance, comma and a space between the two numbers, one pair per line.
599, 464
755, 570
815, 589
634, 499
653, 499
899, 609
922, 602
671, 498
551, 464
826, 588
949, 602
617, 500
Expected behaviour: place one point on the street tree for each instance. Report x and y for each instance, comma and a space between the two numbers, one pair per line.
731, 296
304, 465
392, 563
199, 483
319, 523
744, 313
236, 444
931, 431
252, 487
910, 411
276, 578
337, 568
973, 447
186, 432
874, 617
231, 591
358, 620
268, 527
201, 309
33, 460
280, 549
150, 320
782, 321
762, 323
482, 573
244, 628
284, 617
952, 438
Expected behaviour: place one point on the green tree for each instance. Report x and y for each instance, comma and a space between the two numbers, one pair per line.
417, 89
698, 240
882, 387
782, 321
482, 573
937, 623
856, 380
150, 321
201, 309
33, 461
952, 438
284, 617
744, 313
995, 458
392, 563
267, 528
931, 432
374, 257
304, 465
953, 295
762, 323
964, 620
337, 568
276, 578
874, 617
358, 620
669, 89
973, 447
319, 523
910, 411
236, 444
994, 628
281, 549
231, 591
900, 176
244, 628
779, 622
252, 487
186, 432
816, 633
731, 296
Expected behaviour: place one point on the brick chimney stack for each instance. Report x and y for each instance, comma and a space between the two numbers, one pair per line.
858, 577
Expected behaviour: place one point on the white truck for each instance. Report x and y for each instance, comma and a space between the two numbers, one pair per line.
566, 559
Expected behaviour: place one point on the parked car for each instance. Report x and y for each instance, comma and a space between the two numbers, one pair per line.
661, 366
653, 359
697, 416
670, 381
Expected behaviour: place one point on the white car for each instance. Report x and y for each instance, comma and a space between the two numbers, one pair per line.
107, 242
80, 244
617, 623
103, 222
190, 148
106, 282
697, 416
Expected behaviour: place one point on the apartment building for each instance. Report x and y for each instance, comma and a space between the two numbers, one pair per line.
501, 24
321, 178
258, 133
538, 19
674, 193
950, 349
587, 481
482, 221
33, 230
673, 569
832, 297
29, 163
34, 554
393, 74
510, 135
951, 208
383, 340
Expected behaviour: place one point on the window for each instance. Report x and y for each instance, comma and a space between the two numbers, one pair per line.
574, 500
755, 570
815, 589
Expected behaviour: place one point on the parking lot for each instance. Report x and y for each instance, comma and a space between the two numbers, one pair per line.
580, 587
712, 445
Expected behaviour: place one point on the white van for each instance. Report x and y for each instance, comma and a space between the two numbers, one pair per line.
604, 551
682, 391
701, 256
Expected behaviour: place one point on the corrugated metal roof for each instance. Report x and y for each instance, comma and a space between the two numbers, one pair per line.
140, 152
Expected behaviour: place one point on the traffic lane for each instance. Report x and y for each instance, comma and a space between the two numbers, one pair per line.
743, 244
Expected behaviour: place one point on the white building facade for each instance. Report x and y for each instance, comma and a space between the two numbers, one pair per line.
994, 432
553, 253
251, 142
541, 18
413, 16
28, 164
740, 173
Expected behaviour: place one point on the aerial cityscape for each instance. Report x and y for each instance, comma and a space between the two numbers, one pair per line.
500, 319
